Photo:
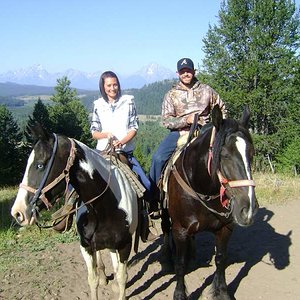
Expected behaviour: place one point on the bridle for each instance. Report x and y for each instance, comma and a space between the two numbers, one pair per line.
224, 184
40, 192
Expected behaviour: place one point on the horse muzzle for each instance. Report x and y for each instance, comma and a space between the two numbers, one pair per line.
244, 214
24, 217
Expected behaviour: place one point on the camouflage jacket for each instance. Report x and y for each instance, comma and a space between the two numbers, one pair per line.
181, 101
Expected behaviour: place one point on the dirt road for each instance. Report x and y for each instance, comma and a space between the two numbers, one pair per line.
264, 262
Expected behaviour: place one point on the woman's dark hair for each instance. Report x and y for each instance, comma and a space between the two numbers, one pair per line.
108, 74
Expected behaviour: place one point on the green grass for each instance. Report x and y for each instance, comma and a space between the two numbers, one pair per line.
276, 188
14, 240
7, 196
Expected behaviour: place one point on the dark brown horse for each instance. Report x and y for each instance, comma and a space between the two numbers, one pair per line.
210, 188
109, 216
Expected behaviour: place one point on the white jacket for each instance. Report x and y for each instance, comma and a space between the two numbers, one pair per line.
118, 118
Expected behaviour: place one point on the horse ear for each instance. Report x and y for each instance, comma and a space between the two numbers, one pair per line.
217, 116
245, 117
36, 131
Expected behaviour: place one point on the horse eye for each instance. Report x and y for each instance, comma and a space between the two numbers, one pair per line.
40, 166
225, 154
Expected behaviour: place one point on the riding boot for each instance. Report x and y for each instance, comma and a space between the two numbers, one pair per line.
147, 231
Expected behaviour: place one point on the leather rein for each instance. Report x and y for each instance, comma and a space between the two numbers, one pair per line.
40, 192
224, 182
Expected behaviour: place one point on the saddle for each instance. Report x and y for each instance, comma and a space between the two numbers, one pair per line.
119, 159
183, 142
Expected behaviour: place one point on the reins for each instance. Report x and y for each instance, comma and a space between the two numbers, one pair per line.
197, 196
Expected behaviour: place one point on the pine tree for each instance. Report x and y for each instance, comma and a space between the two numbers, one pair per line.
251, 58
40, 114
10, 158
68, 115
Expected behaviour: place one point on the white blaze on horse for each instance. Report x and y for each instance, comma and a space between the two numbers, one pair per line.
109, 217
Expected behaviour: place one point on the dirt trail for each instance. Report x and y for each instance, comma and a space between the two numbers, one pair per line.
264, 263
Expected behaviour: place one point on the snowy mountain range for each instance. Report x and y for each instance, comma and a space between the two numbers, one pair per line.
37, 75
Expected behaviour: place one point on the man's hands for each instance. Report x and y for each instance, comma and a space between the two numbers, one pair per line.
201, 120
190, 119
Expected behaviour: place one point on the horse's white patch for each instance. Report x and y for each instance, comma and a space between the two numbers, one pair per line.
20, 201
29, 163
22, 193
87, 167
241, 146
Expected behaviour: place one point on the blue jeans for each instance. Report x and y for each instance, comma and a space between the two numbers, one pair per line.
160, 157
136, 167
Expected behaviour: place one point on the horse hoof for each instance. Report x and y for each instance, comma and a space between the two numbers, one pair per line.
179, 295
216, 295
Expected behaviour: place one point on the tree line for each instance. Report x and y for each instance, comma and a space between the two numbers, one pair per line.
251, 58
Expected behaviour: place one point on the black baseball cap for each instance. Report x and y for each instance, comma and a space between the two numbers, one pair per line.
185, 63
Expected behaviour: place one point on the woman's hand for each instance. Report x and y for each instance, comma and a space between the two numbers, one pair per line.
117, 144
110, 136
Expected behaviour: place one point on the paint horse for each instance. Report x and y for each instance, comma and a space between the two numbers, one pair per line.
210, 188
110, 215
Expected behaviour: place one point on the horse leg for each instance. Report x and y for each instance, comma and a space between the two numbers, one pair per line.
219, 286
115, 263
122, 275
101, 269
166, 257
119, 261
180, 237
91, 263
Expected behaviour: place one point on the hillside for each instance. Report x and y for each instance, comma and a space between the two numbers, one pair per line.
14, 90
10, 89
20, 99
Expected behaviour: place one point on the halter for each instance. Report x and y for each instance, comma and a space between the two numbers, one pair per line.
224, 182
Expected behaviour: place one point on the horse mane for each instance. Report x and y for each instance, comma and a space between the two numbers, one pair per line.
228, 127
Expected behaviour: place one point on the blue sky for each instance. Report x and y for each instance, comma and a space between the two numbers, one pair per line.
97, 35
